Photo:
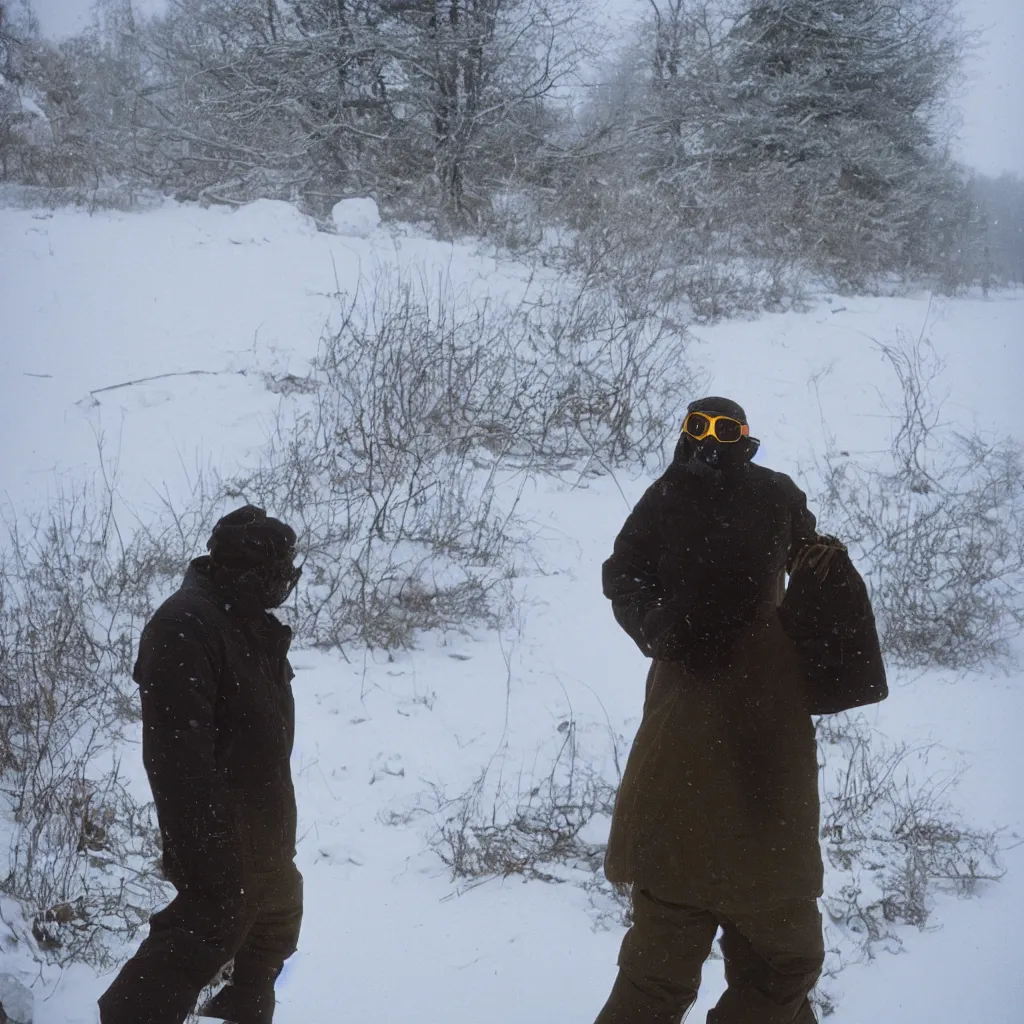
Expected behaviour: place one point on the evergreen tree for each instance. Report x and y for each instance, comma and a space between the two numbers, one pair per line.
840, 104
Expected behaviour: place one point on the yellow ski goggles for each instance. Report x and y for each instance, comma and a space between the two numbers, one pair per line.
700, 425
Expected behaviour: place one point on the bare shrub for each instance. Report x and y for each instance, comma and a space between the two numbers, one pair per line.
420, 402
124, 197
74, 594
938, 526
513, 222
530, 828
892, 840
87, 862
673, 250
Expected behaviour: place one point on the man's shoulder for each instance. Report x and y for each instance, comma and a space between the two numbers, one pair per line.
189, 609
774, 479
184, 622
679, 482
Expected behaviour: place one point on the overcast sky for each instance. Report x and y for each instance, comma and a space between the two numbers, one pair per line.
992, 137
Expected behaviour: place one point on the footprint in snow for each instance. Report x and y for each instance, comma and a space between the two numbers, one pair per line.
338, 854
382, 766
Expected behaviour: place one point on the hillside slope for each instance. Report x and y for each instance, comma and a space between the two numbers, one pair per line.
158, 333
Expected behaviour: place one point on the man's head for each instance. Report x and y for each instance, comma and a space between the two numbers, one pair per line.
254, 555
716, 433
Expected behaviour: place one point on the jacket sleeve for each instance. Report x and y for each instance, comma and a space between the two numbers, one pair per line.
177, 678
630, 576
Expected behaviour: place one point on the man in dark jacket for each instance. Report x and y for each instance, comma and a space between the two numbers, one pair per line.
716, 821
218, 723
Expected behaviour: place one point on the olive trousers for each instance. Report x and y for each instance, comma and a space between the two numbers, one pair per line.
773, 955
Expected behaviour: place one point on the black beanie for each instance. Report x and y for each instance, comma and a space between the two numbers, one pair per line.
249, 537
718, 407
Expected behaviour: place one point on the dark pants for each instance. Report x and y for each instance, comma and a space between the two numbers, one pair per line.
773, 956
194, 936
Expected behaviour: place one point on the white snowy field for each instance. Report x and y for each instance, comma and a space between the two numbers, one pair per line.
205, 302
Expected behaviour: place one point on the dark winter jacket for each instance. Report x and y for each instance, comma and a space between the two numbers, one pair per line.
218, 725
719, 800
703, 555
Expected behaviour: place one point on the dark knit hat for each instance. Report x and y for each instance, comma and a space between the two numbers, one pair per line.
718, 407
249, 537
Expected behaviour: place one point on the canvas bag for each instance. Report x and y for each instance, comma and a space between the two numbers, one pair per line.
827, 613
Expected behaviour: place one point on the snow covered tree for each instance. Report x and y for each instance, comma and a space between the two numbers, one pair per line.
72, 102
476, 76
842, 104
774, 134
325, 98
266, 98
25, 132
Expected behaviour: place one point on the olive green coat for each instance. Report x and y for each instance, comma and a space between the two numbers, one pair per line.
719, 800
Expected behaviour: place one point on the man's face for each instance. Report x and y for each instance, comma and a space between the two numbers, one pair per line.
709, 451
270, 584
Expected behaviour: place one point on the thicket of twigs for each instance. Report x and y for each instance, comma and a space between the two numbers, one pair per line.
936, 524
425, 414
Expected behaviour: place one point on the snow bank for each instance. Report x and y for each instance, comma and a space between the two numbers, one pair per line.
267, 220
356, 218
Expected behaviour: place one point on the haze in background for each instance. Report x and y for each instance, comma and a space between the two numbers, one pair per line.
992, 104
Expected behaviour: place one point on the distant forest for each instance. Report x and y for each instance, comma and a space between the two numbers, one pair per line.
733, 153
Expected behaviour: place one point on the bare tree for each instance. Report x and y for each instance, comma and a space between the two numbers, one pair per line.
478, 73
319, 99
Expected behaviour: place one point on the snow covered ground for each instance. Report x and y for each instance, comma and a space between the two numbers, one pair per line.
195, 306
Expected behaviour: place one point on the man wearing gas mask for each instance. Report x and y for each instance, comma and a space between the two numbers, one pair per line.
218, 723
716, 820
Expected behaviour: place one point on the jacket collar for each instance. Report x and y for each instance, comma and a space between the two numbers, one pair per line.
199, 578
682, 467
